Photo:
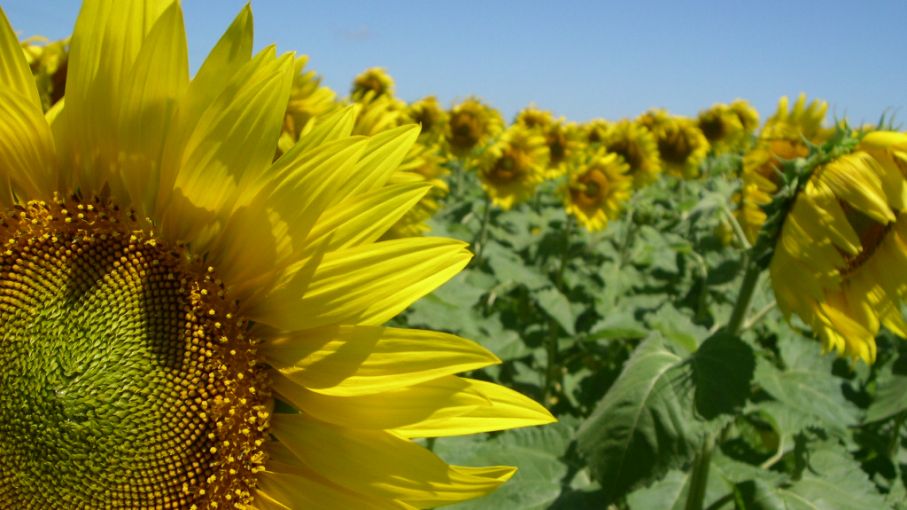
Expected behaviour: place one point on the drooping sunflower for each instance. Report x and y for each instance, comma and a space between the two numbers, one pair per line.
308, 100
597, 188
48, 63
374, 80
636, 145
511, 168
163, 282
785, 136
470, 125
840, 258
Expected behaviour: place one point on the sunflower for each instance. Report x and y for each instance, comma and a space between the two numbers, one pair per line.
374, 80
728, 127
595, 131
162, 283
636, 145
681, 146
470, 125
48, 63
512, 167
564, 142
428, 113
596, 189
839, 258
785, 136
533, 118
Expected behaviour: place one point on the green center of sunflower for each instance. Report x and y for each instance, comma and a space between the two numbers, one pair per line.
127, 382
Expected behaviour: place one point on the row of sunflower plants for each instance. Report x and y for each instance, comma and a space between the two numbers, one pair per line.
658, 344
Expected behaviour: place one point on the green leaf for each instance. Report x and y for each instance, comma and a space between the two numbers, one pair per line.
536, 451
557, 306
509, 267
833, 481
619, 324
891, 391
723, 367
644, 426
807, 384
677, 327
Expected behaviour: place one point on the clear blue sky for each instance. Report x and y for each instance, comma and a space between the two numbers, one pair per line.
579, 59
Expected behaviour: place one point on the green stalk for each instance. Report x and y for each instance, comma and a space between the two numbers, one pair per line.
483, 231
552, 368
745, 296
700, 476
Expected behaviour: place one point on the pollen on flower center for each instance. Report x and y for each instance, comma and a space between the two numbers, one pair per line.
127, 380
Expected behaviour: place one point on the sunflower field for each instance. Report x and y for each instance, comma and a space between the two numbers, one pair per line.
247, 290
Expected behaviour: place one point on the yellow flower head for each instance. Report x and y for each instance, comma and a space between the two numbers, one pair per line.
840, 260
428, 113
596, 131
597, 188
681, 145
374, 80
48, 63
308, 100
728, 127
533, 118
164, 283
564, 142
784, 137
471, 124
378, 114
636, 145
512, 167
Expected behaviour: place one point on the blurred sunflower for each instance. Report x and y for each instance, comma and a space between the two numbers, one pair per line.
636, 145
595, 131
597, 188
48, 63
511, 168
728, 128
564, 142
428, 113
374, 80
308, 100
785, 136
534, 118
163, 282
470, 125
839, 257
681, 146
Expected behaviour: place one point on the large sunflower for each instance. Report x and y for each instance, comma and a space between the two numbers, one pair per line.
840, 259
597, 188
162, 283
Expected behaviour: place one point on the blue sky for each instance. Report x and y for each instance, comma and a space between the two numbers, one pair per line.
579, 59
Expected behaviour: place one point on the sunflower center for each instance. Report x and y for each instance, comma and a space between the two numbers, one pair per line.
127, 381
630, 152
557, 149
674, 147
592, 189
713, 127
465, 131
505, 170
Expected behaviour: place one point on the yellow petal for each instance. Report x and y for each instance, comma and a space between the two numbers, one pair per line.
15, 76
431, 401
382, 465
157, 81
382, 157
231, 146
26, 149
105, 44
362, 285
854, 179
364, 218
360, 360
328, 128
283, 490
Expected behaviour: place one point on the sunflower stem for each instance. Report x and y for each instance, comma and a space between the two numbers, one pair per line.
745, 296
552, 368
699, 478
483, 231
